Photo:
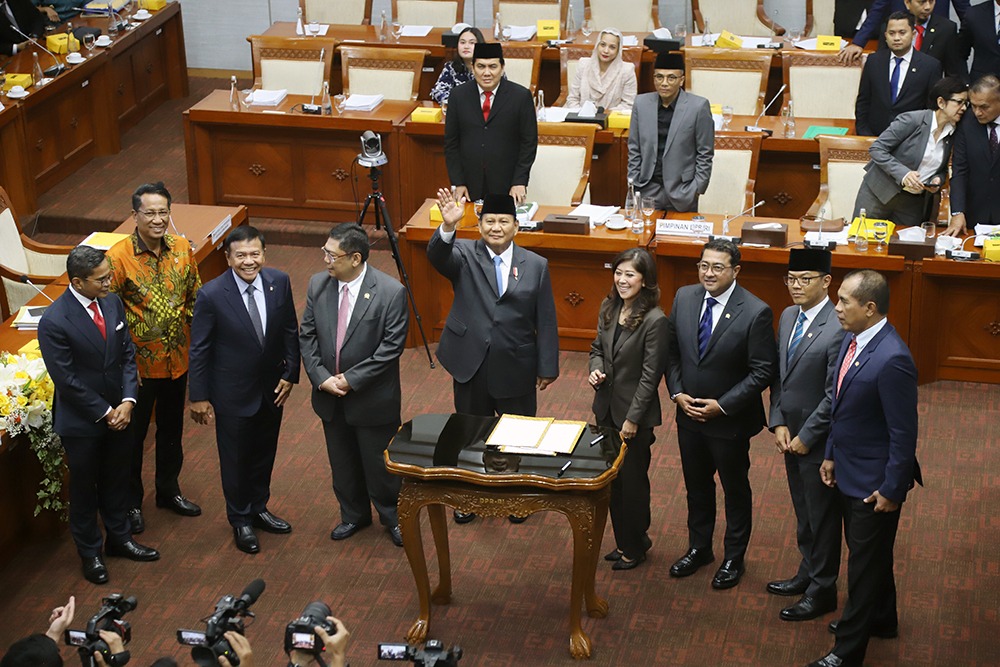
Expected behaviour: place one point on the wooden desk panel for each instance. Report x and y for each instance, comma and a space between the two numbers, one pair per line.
14, 174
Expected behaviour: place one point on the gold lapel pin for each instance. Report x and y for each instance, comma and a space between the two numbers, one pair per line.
809, 335
727, 316
856, 364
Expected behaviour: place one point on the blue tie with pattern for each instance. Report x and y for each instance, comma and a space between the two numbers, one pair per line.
705, 326
793, 345
894, 79
498, 264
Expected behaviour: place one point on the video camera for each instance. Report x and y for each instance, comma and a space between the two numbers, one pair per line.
433, 653
108, 617
208, 646
300, 634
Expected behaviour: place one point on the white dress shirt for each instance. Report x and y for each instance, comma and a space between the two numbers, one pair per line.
904, 67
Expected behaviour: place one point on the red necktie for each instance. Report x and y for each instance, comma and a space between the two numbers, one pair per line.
851, 349
98, 319
486, 106
918, 41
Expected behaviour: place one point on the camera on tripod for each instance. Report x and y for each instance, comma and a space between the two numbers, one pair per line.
109, 617
371, 154
432, 654
300, 634
208, 646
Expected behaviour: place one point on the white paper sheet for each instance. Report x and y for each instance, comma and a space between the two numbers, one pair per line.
415, 30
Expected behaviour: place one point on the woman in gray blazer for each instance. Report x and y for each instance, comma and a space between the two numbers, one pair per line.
627, 360
910, 159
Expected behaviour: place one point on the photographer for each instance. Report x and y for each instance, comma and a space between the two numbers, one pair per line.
241, 646
42, 650
336, 648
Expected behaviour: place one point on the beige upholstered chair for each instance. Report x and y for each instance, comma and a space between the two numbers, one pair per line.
728, 77
626, 15
20, 256
560, 175
528, 12
438, 13
842, 163
522, 62
394, 73
734, 171
344, 12
819, 17
819, 85
740, 17
569, 57
297, 64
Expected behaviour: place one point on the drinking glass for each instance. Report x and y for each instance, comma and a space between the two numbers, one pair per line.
930, 229
880, 230
126, 11
477, 207
648, 208
340, 101
244, 96
727, 117
397, 31
795, 34
313, 28
88, 43
680, 32
587, 28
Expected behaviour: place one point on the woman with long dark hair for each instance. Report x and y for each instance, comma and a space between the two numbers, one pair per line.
626, 363
458, 69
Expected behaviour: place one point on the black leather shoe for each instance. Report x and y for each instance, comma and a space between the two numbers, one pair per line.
246, 539
809, 607
613, 555
94, 570
794, 586
270, 523
180, 505
728, 574
625, 564
690, 562
132, 550
516, 519
828, 660
136, 523
345, 530
464, 517
396, 535
877, 632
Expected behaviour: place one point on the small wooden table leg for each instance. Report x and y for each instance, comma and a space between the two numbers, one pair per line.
597, 607
408, 509
439, 528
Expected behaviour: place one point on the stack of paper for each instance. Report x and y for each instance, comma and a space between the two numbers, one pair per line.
28, 318
364, 102
415, 30
267, 98
103, 240
597, 214
526, 211
514, 434
521, 33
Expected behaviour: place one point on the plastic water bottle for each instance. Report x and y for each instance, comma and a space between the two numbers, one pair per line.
234, 95
570, 23
861, 238
383, 28
498, 28
112, 21
540, 106
36, 69
300, 28
705, 39
326, 103
789, 121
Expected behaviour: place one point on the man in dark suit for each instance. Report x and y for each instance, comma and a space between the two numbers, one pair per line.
353, 331
501, 341
89, 354
870, 458
490, 132
671, 141
875, 20
934, 35
809, 337
895, 80
244, 360
975, 164
27, 18
978, 36
721, 356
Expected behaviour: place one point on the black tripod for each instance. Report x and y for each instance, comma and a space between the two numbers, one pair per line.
382, 221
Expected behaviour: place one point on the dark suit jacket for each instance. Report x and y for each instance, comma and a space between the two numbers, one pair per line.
687, 157
502, 147
29, 20
90, 374
940, 42
803, 389
873, 429
369, 359
738, 365
516, 335
975, 173
873, 109
880, 10
979, 36
228, 366
633, 367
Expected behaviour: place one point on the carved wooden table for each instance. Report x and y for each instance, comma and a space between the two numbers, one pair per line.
444, 461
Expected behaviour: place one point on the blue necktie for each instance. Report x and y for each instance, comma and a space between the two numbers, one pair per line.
800, 324
894, 79
498, 263
705, 326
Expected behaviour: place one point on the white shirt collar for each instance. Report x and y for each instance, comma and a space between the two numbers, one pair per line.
814, 311
84, 301
866, 336
723, 298
355, 285
506, 256
241, 284
494, 91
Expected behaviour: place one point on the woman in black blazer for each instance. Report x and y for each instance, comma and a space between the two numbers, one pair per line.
627, 360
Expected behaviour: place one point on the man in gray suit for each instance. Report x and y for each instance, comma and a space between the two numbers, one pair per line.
721, 356
353, 332
671, 140
809, 338
501, 341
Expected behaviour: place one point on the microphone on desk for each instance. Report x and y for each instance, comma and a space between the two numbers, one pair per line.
53, 71
27, 281
754, 127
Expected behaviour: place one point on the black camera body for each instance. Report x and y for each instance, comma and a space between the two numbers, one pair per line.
109, 617
300, 634
208, 646
433, 654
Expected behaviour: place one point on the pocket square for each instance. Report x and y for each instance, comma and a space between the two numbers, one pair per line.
121, 325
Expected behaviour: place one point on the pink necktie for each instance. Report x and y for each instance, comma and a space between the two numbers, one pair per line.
342, 319
98, 319
848, 358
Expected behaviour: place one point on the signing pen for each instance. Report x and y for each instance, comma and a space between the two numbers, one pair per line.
564, 469
597, 440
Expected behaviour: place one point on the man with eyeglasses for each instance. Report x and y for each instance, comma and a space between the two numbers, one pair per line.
89, 354
975, 168
156, 276
809, 337
721, 357
671, 141
353, 333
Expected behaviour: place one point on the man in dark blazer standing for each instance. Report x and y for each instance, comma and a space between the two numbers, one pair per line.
490, 132
353, 332
936, 34
721, 356
870, 458
500, 342
671, 141
27, 18
809, 337
244, 360
978, 36
89, 354
894, 80
975, 164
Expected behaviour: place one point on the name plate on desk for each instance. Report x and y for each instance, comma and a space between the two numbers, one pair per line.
827, 43
691, 228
